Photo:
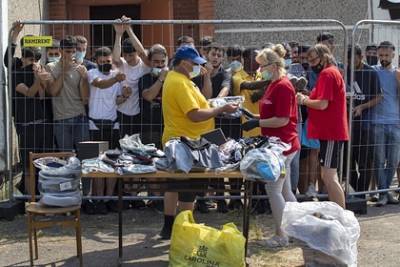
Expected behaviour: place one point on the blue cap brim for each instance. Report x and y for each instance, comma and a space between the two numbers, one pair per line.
199, 60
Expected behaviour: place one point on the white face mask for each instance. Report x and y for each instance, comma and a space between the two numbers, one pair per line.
156, 71
195, 72
53, 59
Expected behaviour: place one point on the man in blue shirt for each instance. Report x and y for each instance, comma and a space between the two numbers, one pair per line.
385, 122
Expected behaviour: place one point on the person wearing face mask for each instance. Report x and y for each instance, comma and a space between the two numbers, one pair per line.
327, 117
371, 54
385, 122
186, 113
53, 53
80, 54
28, 83
233, 61
69, 92
134, 63
105, 89
367, 93
278, 117
150, 88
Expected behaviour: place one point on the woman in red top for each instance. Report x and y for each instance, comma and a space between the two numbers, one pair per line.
327, 119
278, 117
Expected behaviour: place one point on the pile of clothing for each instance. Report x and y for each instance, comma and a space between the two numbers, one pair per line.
59, 181
135, 158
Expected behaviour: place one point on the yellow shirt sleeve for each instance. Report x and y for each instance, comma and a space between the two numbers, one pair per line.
237, 80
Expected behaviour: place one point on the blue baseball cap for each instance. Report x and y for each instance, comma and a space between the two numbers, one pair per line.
188, 52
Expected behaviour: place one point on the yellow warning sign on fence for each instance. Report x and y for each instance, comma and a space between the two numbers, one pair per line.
38, 41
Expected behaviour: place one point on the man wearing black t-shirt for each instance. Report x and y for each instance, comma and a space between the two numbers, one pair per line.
150, 86
367, 94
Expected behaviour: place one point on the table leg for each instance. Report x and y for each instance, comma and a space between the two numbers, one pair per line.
120, 207
248, 192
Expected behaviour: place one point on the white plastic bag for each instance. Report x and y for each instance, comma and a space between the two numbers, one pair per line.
324, 226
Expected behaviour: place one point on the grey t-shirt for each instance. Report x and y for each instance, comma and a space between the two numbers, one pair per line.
68, 103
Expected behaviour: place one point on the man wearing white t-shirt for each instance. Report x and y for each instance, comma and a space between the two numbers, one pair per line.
106, 92
134, 64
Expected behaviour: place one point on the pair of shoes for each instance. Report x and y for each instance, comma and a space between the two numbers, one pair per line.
222, 207
383, 200
138, 204
277, 242
373, 198
392, 199
202, 206
112, 205
235, 204
100, 207
165, 233
311, 191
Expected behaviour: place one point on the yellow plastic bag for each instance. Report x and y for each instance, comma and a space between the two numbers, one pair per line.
198, 245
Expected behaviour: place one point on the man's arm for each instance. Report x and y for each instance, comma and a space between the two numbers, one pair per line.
83, 84
107, 83
226, 85
119, 30
198, 115
138, 45
153, 91
29, 91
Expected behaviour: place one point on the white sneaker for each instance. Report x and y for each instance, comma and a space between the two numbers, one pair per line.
311, 192
277, 242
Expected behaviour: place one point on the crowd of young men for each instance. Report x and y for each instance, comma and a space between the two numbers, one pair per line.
72, 99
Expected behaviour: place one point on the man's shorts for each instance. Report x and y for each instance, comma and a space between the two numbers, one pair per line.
329, 153
196, 186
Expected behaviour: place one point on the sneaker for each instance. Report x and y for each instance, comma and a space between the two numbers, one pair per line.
392, 199
222, 207
277, 242
311, 192
383, 200
101, 207
373, 198
165, 233
202, 206
112, 205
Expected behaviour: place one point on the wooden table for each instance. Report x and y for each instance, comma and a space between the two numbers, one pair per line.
178, 178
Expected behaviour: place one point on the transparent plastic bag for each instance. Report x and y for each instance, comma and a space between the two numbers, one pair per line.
324, 226
221, 101
52, 166
64, 199
263, 164
57, 184
134, 144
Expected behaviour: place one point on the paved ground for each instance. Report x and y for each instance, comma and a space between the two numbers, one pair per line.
379, 244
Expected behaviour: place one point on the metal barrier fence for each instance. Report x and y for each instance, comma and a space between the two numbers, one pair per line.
373, 153
225, 32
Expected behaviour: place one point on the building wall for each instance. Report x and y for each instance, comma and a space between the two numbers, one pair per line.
346, 11
27, 10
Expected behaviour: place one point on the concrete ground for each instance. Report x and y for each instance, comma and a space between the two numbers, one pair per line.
379, 243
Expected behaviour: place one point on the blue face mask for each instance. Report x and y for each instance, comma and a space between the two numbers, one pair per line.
53, 59
235, 66
195, 72
79, 56
288, 62
266, 75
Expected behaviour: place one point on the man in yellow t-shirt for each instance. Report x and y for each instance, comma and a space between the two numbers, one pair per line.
186, 113
245, 80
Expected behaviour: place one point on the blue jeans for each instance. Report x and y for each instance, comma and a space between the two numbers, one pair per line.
70, 132
386, 139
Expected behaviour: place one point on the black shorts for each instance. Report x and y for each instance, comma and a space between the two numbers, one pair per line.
329, 153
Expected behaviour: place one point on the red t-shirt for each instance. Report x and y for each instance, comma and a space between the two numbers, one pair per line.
279, 100
331, 123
